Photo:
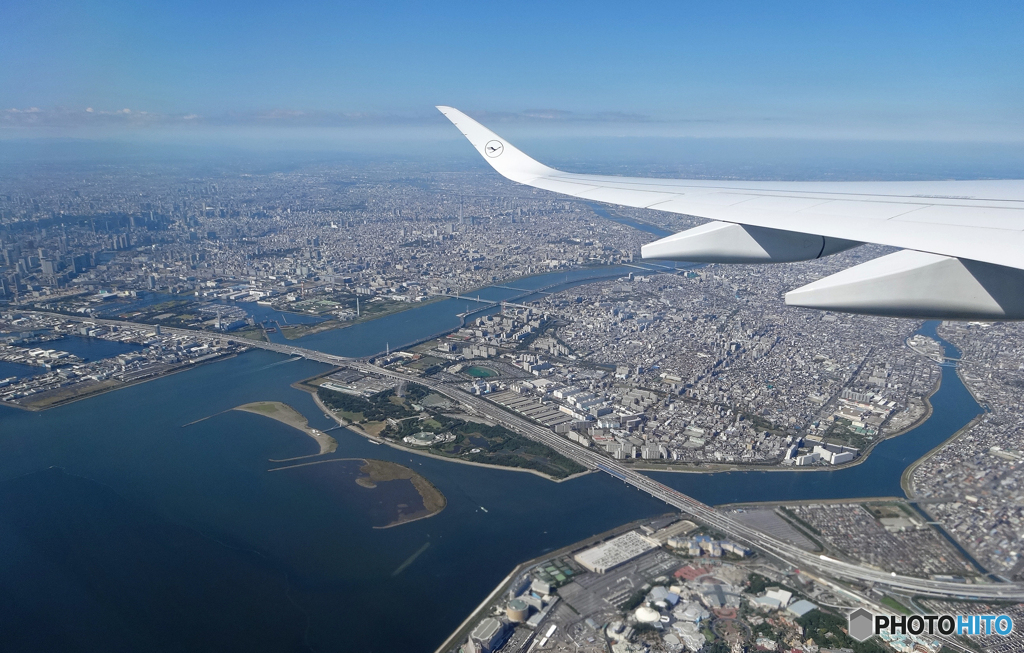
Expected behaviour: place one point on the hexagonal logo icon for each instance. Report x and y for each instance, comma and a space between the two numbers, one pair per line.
860, 625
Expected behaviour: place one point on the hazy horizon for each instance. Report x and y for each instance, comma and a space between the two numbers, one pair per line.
746, 158
917, 72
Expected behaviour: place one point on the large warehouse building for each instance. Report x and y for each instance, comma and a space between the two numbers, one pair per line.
615, 552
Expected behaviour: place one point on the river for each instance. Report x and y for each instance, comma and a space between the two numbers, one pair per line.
415, 324
878, 476
121, 529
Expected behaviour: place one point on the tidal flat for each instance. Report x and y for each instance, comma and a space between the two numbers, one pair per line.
399, 495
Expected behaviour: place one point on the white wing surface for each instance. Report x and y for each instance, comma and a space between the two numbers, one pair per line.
966, 237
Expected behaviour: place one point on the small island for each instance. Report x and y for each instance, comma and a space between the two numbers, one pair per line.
287, 415
400, 495
381, 471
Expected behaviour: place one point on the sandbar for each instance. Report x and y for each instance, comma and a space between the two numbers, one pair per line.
287, 415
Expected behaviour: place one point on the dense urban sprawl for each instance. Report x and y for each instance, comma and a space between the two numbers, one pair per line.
656, 365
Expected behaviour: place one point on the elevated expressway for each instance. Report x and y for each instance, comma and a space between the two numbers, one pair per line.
702, 512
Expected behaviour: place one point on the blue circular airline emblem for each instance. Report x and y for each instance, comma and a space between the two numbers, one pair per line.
494, 148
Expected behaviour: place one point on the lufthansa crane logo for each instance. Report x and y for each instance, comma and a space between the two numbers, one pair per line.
494, 148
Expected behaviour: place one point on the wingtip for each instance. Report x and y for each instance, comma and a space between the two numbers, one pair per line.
512, 163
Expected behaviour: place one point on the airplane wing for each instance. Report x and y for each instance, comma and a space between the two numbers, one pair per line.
963, 241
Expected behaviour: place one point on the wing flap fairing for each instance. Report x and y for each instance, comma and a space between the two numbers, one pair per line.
724, 242
919, 285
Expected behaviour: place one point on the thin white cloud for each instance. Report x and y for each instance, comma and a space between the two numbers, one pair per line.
35, 116
34, 121
560, 116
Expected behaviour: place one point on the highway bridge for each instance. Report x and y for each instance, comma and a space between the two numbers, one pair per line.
594, 460
702, 512
707, 514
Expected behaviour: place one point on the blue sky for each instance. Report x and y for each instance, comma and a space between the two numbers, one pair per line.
889, 71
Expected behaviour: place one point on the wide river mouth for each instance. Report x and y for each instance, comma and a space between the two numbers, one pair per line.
114, 518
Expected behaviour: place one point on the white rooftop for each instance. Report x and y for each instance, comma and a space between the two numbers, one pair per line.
615, 552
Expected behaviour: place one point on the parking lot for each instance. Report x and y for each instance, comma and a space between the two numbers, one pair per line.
597, 595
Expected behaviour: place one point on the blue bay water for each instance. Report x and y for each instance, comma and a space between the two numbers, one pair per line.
17, 370
294, 542
113, 515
